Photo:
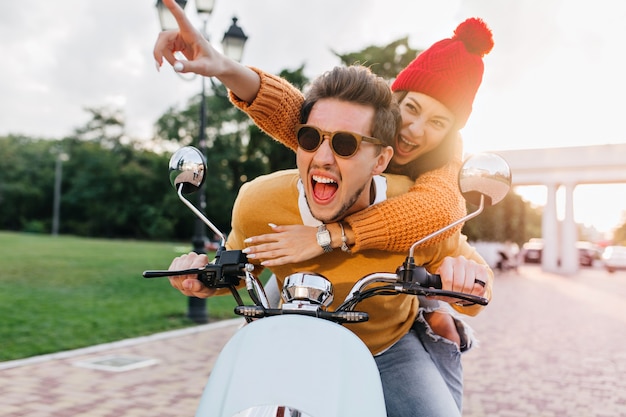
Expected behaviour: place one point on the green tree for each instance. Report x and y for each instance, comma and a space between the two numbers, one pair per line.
26, 183
386, 61
513, 219
276, 155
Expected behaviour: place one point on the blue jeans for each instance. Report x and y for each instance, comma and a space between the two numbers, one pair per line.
413, 384
444, 352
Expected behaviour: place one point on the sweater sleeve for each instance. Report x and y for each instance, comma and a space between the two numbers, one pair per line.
432, 203
276, 108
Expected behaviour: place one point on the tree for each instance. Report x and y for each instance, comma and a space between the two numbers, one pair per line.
386, 61
277, 155
513, 219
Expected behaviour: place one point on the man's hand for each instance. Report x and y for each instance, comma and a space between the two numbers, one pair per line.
463, 275
189, 284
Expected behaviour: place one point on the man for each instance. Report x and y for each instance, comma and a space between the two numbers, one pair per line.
351, 121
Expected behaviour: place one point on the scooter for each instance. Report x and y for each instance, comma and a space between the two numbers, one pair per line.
298, 360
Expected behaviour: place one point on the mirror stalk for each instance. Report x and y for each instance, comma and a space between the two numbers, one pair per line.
201, 216
409, 262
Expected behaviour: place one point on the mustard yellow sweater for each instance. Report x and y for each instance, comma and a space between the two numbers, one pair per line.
273, 198
432, 202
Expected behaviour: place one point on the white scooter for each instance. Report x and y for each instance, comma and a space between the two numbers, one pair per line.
299, 360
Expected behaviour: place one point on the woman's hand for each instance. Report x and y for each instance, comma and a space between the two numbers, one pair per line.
286, 245
201, 57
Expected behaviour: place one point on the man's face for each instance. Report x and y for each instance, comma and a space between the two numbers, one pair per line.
335, 186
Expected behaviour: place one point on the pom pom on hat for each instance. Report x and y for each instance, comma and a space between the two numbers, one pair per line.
451, 70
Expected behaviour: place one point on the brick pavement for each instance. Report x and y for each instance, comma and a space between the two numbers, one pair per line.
551, 346
54, 386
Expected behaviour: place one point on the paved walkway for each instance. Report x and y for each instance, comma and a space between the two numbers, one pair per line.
551, 346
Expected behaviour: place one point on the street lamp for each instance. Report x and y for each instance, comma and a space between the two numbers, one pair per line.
233, 43
56, 203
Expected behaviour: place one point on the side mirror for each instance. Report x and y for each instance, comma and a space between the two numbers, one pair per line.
485, 174
187, 173
187, 167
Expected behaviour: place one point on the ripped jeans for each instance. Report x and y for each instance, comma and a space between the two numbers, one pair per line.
445, 353
422, 373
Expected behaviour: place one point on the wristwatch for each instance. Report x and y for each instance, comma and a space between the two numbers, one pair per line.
323, 238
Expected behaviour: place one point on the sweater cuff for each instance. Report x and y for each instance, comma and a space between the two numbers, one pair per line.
368, 235
263, 106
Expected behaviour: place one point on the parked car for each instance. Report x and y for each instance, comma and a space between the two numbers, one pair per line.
531, 251
587, 253
614, 258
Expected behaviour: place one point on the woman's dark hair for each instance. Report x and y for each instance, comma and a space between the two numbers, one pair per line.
429, 161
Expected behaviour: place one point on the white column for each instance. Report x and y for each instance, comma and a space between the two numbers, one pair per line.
549, 231
569, 234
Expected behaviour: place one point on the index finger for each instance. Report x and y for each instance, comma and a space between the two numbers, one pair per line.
179, 15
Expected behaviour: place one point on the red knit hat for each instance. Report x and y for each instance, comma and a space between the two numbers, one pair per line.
451, 70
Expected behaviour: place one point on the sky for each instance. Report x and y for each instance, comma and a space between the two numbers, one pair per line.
554, 78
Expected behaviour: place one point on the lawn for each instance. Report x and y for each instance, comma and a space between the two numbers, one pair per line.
60, 293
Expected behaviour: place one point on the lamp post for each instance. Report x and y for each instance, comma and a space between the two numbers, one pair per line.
56, 204
233, 43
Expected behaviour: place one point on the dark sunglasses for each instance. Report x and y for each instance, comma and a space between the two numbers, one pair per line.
343, 144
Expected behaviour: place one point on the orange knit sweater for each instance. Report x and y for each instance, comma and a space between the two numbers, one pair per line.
431, 203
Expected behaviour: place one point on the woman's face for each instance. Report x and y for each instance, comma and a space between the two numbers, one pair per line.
425, 123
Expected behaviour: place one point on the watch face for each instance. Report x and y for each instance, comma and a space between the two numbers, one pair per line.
323, 238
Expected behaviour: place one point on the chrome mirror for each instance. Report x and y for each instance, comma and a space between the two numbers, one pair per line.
485, 174
187, 174
187, 167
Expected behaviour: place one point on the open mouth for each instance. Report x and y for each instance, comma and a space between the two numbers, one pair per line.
405, 145
324, 188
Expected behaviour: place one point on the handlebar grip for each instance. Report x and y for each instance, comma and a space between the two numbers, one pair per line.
432, 280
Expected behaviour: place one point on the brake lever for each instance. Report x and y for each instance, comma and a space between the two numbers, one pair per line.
417, 289
167, 273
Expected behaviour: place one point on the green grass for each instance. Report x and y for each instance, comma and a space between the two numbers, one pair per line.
59, 293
